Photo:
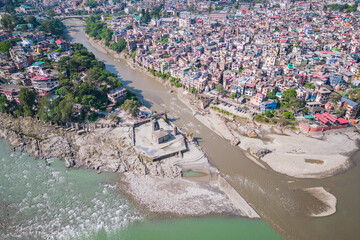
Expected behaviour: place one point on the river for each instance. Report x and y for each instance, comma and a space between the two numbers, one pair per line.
277, 198
37, 201
50, 202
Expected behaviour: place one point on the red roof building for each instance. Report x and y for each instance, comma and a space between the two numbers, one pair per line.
59, 41
330, 117
321, 118
343, 121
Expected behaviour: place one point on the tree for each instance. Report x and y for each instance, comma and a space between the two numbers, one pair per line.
5, 46
91, 3
288, 94
296, 103
145, 16
131, 106
220, 89
10, 21
97, 29
113, 117
271, 95
106, 35
64, 111
32, 20
269, 114
334, 98
288, 115
4, 104
193, 90
119, 46
44, 109
355, 95
232, 95
156, 13
53, 26
6, 21
90, 101
27, 98
309, 85
50, 13
27, 110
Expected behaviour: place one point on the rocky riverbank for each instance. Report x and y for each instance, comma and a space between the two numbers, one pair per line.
104, 149
110, 149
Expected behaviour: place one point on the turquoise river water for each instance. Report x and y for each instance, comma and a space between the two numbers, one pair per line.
50, 202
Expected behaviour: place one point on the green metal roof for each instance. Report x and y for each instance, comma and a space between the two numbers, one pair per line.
38, 63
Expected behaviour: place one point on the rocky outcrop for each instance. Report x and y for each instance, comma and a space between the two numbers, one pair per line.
259, 153
69, 162
252, 134
107, 149
234, 141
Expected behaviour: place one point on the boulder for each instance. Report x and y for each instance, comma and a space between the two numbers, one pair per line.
235, 141
69, 162
260, 153
252, 134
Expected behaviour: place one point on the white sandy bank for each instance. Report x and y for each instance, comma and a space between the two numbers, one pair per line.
325, 197
184, 197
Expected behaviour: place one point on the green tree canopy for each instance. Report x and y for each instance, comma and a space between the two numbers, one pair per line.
355, 95
131, 106
119, 46
27, 98
5, 46
271, 95
4, 104
50, 13
90, 101
220, 89
269, 114
32, 20
289, 94
98, 29
145, 16
91, 3
53, 26
44, 109
11, 21
64, 111
334, 97
309, 85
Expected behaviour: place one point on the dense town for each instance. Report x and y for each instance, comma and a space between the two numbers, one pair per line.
46, 76
280, 62
183, 119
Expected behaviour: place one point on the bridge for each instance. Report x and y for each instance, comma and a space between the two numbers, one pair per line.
72, 16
